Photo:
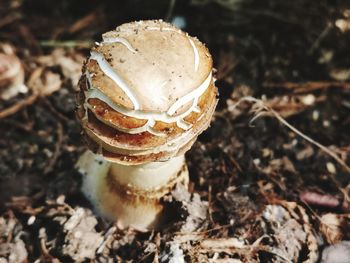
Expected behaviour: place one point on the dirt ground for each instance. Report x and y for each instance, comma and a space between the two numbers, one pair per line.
269, 178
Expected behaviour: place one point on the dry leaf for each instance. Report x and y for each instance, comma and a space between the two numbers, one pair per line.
335, 227
307, 152
69, 64
339, 253
340, 74
13, 250
81, 240
44, 82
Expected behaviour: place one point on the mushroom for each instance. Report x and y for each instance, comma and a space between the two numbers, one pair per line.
11, 73
146, 93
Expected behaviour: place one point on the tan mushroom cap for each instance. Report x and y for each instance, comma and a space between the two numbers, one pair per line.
146, 93
157, 62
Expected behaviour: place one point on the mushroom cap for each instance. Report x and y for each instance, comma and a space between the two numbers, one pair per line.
146, 92
11, 74
10, 67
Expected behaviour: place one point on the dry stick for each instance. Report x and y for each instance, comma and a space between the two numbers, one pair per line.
263, 106
83, 23
54, 111
203, 232
170, 10
67, 43
283, 121
322, 147
319, 39
9, 19
235, 163
210, 210
18, 106
307, 86
57, 150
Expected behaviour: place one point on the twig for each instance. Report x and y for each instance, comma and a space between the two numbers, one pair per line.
227, 63
19, 125
56, 152
82, 23
47, 257
308, 86
203, 232
18, 106
29, 39
54, 110
210, 210
322, 147
170, 10
9, 19
67, 43
229, 245
235, 163
263, 106
319, 39
145, 257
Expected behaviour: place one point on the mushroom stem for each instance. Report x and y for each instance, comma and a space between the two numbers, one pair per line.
130, 194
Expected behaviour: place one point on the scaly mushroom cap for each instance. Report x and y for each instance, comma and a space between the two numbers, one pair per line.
146, 93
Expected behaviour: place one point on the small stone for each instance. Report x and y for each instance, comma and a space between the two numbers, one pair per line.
60, 200
31, 220
326, 123
256, 161
308, 99
331, 168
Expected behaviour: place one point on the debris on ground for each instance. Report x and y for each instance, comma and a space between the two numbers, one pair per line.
270, 179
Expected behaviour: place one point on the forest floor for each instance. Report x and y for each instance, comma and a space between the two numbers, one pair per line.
270, 179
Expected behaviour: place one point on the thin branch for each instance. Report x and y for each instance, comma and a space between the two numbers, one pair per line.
67, 43
170, 10
261, 105
18, 106
307, 86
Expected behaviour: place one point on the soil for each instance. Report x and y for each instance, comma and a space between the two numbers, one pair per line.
270, 179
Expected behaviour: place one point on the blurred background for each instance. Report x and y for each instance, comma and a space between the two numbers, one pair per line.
271, 195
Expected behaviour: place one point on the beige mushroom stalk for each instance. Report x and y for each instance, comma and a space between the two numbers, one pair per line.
146, 93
